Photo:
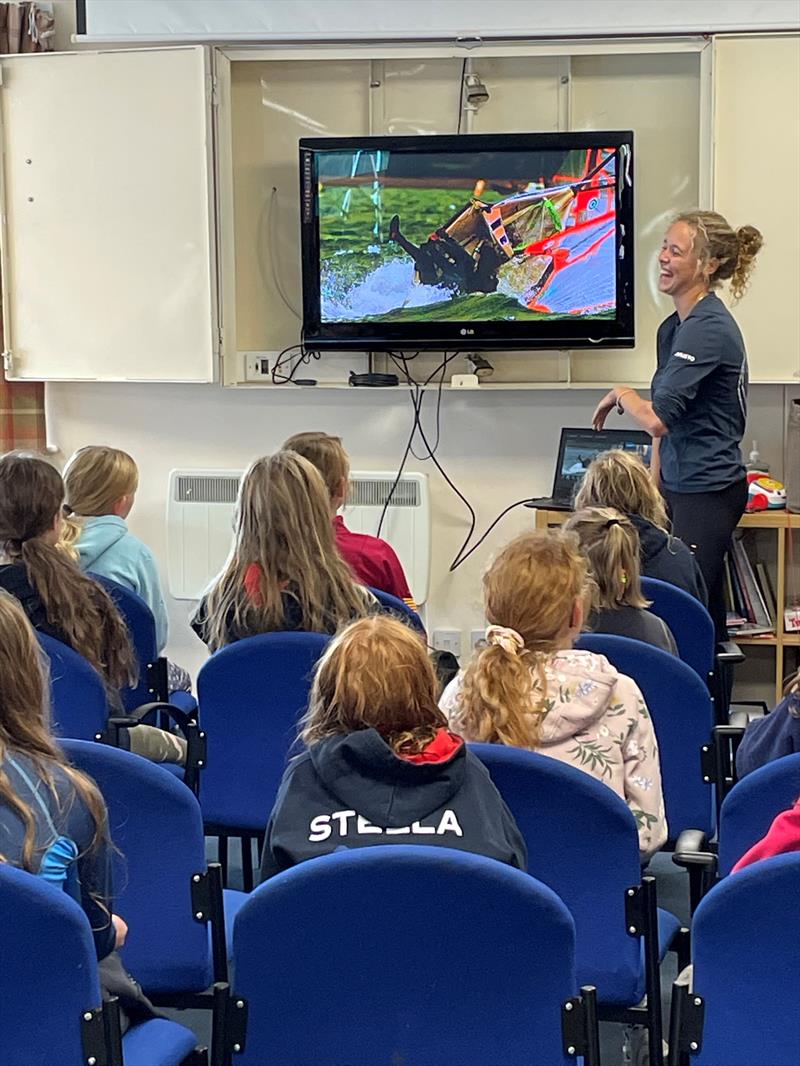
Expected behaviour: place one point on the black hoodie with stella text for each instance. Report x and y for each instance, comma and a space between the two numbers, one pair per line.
352, 790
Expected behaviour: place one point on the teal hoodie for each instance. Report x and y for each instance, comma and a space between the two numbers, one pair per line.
107, 548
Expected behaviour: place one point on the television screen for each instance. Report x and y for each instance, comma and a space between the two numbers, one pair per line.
468, 242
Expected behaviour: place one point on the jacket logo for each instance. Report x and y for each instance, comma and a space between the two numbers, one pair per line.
347, 822
684, 355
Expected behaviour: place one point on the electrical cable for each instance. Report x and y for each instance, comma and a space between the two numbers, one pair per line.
417, 398
304, 356
461, 95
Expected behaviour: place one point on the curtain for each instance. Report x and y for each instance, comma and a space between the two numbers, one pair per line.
24, 27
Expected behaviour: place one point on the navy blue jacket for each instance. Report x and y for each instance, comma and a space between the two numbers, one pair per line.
699, 392
350, 791
771, 737
668, 559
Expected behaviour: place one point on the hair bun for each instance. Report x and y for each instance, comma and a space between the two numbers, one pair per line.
750, 241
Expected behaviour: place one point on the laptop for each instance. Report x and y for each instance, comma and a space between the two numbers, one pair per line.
576, 450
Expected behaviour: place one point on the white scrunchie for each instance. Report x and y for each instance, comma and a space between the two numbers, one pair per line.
508, 639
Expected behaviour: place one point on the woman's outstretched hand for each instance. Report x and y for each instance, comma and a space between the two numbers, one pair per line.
603, 409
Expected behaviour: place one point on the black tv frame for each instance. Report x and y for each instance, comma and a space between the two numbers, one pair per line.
533, 334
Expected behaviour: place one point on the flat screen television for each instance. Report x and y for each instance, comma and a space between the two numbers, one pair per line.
468, 242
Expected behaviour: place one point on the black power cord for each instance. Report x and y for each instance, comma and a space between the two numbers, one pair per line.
417, 398
303, 356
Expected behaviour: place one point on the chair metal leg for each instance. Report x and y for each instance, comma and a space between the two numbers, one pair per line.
683, 947
655, 1027
247, 863
222, 854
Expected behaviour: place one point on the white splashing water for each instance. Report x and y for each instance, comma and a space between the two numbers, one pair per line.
387, 288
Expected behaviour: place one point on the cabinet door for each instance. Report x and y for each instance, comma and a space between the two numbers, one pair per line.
108, 244
756, 176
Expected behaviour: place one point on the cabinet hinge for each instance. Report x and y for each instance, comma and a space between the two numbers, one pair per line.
8, 361
212, 89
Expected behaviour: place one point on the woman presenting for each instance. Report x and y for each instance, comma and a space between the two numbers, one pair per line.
698, 406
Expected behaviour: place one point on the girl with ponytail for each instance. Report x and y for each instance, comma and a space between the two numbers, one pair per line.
697, 409
58, 599
610, 543
527, 686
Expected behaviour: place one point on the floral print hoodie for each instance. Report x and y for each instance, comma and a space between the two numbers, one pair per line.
596, 719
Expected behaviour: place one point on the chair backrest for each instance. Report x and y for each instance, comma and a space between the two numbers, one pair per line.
750, 807
683, 717
745, 948
393, 603
583, 843
142, 628
78, 694
251, 696
435, 956
688, 620
48, 976
156, 826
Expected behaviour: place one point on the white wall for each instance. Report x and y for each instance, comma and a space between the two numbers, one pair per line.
497, 447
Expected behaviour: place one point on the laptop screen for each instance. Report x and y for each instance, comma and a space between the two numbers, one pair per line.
580, 446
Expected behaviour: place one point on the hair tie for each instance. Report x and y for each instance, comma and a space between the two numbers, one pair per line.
508, 639
612, 522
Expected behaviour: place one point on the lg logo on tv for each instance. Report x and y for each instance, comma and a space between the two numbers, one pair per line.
466, 332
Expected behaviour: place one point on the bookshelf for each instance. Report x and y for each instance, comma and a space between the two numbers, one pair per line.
776, 527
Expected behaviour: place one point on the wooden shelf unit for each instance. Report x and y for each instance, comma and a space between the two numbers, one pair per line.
783, 525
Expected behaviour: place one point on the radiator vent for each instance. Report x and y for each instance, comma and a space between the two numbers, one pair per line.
200, 519
206, 488
371, 492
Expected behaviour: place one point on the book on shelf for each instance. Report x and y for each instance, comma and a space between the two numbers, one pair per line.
752, 605
767, 591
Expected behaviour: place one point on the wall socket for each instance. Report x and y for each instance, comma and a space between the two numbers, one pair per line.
448, 640
257, 366
475, 637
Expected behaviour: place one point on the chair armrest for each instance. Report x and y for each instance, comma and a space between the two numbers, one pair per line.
691, 849
196, 748
728, 651
135, 717
744, 714
692, 854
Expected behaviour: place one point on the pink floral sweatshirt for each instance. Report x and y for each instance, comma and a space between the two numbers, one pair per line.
596, 719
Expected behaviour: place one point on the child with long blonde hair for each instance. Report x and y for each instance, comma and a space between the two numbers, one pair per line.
42, 798
528, 687
53, 820
284, 572
620, 480
610, 543
100, 485
381, 766
373, 560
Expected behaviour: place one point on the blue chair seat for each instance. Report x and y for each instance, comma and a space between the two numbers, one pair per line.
184, 701
157, 1043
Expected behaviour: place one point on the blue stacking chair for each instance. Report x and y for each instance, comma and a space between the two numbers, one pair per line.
77, 693
688, 620
425, 956
742, 1010
81, 712
152, 685
252, 694
583, 843
683, 717
747, 813
693, 630
162, 887
399, 607
51, 1012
